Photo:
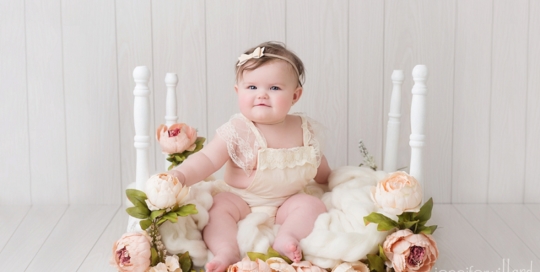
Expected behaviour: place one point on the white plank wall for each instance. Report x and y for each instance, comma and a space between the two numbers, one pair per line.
366, 117
472, 86
508, 101
66, 129
14, 131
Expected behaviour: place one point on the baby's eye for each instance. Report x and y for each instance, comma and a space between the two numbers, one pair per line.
275, 88
251, 87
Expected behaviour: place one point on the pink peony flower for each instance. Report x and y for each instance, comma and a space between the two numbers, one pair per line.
247, 265
177, 138
277, 264
351, 267
410, 252
164, 191
131, 252
306, 266
398, 192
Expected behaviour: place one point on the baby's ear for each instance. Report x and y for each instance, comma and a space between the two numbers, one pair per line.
297, 94
236, 88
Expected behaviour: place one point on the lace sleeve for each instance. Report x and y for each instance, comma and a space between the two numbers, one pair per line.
241, 142
315, 137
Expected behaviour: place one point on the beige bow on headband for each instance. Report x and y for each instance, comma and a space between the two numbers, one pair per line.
257, 53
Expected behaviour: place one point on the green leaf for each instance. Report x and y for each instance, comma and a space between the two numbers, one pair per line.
156, 214
154, 256
161, 221
427, 230
171, 216
138, 212
406, 216
425, 212
407, 225
187, 210
381, 254
137, 197
145, 224
256, 255
375, 263
384, 223
185, 261
273, 253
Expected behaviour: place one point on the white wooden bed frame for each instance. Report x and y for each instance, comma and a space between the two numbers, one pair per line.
141, 113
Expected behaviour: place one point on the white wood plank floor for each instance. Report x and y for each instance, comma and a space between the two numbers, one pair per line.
470, 237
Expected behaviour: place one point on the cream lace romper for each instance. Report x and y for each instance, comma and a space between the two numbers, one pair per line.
280, 173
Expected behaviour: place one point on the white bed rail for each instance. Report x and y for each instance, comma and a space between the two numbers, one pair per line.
418, 117
171, 117
141, 114
392, 132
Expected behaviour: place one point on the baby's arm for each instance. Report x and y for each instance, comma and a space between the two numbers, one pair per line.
323, 171
203, 163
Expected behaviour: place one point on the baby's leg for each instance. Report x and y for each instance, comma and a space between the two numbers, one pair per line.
297, 216
222, 228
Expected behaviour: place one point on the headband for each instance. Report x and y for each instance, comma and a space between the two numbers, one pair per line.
258, 53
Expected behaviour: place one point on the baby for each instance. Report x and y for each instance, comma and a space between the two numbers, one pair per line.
271, 155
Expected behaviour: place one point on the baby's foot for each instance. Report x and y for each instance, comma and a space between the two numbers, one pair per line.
288, 247
220, 263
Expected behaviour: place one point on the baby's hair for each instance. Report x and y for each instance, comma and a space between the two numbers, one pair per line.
272, 48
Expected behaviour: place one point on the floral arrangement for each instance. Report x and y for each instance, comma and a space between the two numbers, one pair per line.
162, 201
178, 141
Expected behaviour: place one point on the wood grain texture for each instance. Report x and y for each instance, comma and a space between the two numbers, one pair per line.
16, 215
91, 97
422, 32
178, 38
492, 228
471, 112
46, 110
523, 222
365, 74
459, 243
97, 259
318, 32
508, 102
14, 168
38, 223
134, 48
72, 238
532, 156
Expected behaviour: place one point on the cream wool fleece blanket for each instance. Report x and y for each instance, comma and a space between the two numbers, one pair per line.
338, 235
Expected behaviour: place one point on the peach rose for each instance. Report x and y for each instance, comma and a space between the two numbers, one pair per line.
398, 192
351, 267
247, 265
306, 266
410, 252
177, 138
164, 191
131, 252
279, 265
160, 267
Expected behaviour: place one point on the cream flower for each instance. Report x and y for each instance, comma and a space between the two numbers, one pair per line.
351, 267
410, 252
279, 265
398, 192
160, 267
247, 265
131, 252
173, 264
306, 266
164, 191
176, 138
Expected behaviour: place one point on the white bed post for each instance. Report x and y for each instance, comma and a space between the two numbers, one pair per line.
171, 81
392, 131
418, 116
141, 113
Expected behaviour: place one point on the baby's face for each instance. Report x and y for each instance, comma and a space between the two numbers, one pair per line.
266, 94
